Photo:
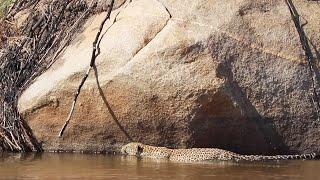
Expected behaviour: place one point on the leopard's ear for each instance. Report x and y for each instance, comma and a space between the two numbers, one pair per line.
139, 150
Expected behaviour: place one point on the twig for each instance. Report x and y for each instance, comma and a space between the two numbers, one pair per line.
308, 53
92, 63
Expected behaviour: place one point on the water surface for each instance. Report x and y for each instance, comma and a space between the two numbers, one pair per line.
85, 166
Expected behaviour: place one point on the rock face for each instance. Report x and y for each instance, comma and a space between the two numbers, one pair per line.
184, 73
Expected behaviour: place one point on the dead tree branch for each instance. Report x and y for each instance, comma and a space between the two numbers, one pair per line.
308, 53
92, 63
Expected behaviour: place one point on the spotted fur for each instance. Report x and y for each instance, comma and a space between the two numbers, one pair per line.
199, 154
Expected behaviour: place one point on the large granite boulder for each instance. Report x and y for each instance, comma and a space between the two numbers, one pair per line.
184, 73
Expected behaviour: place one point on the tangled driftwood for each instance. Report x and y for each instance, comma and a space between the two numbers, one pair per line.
26, 52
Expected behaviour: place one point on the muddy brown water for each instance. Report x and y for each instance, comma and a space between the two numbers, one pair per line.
85, 166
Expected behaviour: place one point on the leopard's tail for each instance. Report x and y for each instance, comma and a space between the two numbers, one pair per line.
277, 157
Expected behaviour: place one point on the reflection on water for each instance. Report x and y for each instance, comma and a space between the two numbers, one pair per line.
80, 166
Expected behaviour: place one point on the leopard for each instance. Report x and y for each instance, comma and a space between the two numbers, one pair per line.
200, 154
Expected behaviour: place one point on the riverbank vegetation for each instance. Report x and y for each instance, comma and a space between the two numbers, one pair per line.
5, 6
26, 52
5, 31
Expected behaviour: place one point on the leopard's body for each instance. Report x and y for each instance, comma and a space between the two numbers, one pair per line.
199, 154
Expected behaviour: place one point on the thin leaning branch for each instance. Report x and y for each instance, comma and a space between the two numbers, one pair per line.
92, 63
308, 53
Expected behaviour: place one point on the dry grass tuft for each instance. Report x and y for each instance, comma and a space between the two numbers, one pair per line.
5, 6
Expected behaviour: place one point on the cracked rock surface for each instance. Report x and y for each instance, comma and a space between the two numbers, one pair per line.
184, 73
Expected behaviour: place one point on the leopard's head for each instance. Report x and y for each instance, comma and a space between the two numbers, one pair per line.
133, 149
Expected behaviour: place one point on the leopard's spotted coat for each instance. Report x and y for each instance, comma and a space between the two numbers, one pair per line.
199, 154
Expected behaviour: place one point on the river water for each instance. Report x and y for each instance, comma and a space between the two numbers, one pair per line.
85, 166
